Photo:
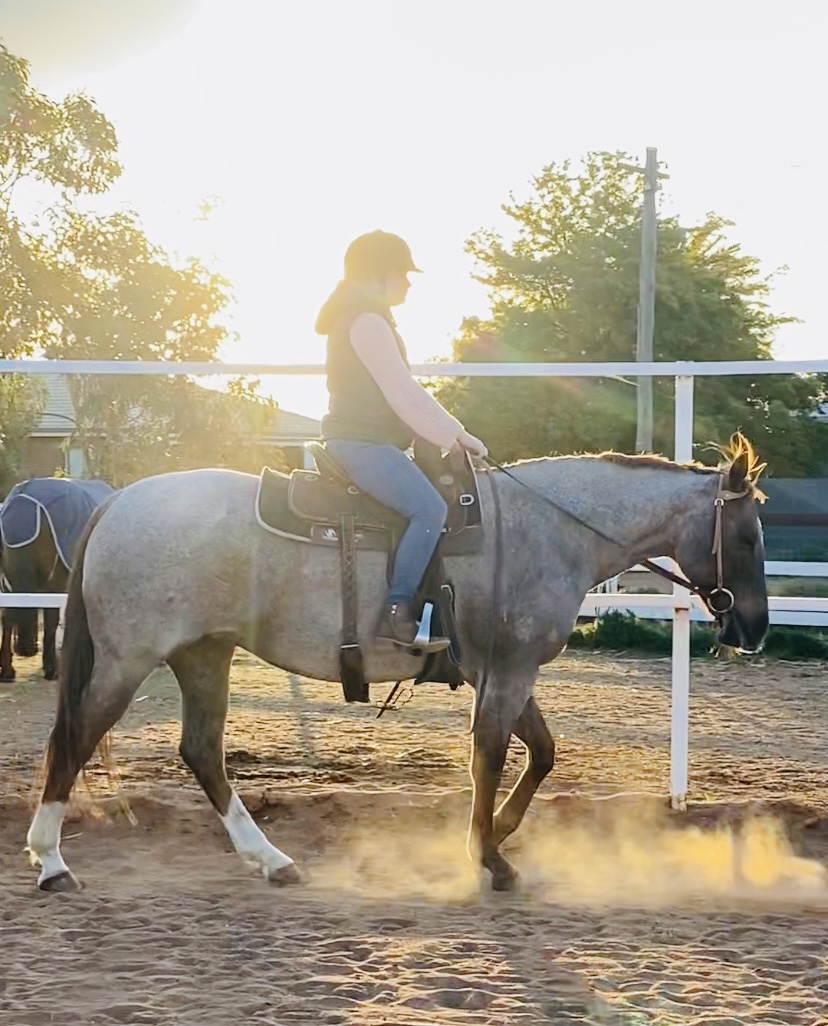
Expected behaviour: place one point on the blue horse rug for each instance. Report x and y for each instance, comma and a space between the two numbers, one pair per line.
64, 502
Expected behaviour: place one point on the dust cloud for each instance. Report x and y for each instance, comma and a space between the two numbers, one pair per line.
616, 857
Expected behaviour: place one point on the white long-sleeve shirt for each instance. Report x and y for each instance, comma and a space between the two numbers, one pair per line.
374, 343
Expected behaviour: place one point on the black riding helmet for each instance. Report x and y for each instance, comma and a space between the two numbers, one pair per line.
378, 253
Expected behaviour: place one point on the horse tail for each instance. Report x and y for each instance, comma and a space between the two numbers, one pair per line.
65, 754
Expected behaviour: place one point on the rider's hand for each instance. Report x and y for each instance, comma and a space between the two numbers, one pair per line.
473, 444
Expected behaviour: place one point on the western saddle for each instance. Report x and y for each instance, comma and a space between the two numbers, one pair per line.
325, 507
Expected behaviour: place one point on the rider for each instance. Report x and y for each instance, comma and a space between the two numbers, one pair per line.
377, 409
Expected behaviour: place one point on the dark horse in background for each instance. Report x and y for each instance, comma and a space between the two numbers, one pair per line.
41, 521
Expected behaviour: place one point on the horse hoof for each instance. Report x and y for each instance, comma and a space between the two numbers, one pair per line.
50, 674
285, 876
63, 883
8, 675
506, 880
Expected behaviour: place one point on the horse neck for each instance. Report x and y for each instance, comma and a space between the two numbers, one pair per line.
645, 508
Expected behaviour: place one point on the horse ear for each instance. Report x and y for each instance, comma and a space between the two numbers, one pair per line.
744, 469
738, 471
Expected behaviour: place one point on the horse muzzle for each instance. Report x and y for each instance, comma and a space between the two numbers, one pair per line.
736, 632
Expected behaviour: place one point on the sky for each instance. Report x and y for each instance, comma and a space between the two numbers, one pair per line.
304, 124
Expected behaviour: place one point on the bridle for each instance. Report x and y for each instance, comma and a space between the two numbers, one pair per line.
723, 496
718, 600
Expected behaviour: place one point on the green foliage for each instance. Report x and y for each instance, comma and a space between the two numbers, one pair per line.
82, 285
69, 147
22, 399
113, 295
801, 587
796, 643
619, 631
131, 427
567, 290
70, 144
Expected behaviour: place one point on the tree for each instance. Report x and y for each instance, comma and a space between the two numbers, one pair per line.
70, 146
134, 426
82, 284
66, 149
567, 290
22, 400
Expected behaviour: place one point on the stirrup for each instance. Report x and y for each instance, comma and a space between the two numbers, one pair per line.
423, 643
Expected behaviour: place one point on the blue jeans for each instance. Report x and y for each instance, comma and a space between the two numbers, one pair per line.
388, 475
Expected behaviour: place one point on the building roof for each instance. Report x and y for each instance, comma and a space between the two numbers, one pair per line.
292, 428
58, 416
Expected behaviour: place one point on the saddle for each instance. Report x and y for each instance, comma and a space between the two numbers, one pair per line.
324, 507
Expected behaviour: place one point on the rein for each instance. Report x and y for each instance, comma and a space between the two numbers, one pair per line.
718, 600
497, 602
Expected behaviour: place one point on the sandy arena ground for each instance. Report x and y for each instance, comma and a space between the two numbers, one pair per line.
628, 913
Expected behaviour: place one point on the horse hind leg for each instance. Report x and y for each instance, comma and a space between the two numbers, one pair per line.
7, 672
532, 731
79, 729
203, 673
51, 619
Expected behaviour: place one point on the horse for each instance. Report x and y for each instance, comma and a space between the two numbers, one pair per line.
177, 568
41, 521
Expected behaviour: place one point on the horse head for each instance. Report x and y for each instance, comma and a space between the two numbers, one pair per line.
730, 572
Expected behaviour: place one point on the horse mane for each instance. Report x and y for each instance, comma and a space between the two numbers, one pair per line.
650, 459
737, 448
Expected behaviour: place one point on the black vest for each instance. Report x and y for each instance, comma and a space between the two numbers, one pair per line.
357, 409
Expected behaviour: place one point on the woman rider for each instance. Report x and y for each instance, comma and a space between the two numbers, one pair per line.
377, 409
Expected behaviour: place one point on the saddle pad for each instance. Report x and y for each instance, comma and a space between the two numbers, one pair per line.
276, 512
66, 505
314, 497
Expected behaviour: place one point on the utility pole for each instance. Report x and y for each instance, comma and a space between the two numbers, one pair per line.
646, 302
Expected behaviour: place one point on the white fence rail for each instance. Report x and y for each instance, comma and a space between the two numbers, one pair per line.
680, 604
799, 611
803, 611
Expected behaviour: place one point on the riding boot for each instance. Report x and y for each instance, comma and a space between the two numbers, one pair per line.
399, 625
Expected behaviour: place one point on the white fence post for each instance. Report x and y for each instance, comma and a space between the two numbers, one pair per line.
680, 710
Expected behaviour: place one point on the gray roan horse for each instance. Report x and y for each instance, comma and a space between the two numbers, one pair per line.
177, 568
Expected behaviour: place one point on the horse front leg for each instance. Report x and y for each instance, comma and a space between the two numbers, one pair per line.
532, 731
6, 658
26, 623
494, 720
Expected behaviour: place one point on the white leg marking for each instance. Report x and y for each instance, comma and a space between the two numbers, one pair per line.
250, 842
43, 840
